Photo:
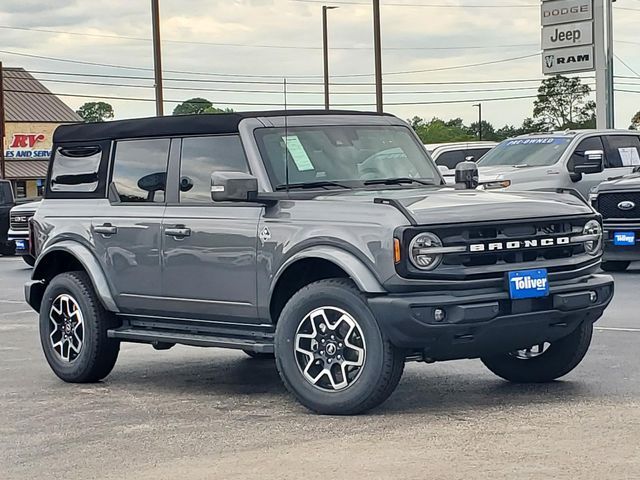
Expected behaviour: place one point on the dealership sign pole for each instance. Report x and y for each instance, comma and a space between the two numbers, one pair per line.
573, 40
2, 124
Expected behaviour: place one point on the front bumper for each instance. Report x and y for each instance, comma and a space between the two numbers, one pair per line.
480, 323
21, 241
627, 253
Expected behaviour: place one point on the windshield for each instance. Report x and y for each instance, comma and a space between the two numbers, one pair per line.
344, 156
526, 152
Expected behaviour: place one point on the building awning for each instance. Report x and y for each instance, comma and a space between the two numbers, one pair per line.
26, 169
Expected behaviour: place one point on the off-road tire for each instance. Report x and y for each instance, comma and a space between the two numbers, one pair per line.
559, 359
383, 364
615, 266
260, 355
99, 353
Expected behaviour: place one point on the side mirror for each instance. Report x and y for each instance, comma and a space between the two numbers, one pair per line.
233, 187
467, 175
591, 161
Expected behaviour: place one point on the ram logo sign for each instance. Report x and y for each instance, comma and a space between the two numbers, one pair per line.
565, 60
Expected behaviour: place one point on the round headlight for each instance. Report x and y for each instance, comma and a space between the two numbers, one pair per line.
593, 228
420, 254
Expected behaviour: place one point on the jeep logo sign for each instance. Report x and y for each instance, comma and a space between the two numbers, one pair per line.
575, 59
569, 35
565, 11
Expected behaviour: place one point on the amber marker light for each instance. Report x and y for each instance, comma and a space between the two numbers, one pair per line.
396, 250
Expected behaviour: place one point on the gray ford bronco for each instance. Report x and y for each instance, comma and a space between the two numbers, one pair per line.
326, 239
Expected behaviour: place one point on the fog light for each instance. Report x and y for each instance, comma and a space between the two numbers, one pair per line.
593, 296
439, 315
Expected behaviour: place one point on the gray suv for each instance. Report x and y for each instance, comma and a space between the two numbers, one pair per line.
327, 239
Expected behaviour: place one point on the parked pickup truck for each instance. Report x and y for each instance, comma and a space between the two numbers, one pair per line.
7, 202
328, 239
19, 230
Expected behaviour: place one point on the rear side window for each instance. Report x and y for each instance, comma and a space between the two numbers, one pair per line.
140, 170
75, 169
476, 153
451, 159
201, 156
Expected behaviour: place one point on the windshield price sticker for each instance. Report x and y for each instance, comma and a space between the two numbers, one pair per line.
298, 153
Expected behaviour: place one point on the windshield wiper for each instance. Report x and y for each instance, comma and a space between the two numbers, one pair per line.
321, 184
397, 181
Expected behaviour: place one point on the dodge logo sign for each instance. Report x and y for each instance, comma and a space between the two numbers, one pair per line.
626, 205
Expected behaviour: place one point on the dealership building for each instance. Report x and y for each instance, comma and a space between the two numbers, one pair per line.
32, 113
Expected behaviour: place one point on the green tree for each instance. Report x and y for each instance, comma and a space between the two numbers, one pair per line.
439, 131
198, 106
635, 122
563, 103
95, 112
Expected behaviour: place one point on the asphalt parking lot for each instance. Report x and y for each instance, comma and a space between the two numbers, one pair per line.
209, 414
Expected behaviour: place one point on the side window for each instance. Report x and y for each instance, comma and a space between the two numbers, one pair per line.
75, 169
591, 143
450, 159
140, 170
201, 156
624, 150
476, 153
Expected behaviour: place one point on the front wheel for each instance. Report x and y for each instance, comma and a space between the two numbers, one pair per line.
545, 362
615, 266
29, 260
73, 330
331, 353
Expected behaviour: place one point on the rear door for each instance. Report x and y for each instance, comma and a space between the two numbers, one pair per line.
127, 233
209, 252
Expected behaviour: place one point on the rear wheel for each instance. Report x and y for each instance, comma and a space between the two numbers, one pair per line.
331, 353
545, 362
73, 330
615, 266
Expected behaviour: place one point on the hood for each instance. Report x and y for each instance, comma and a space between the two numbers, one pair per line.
26, 207
628, 182
447, 205
506, 172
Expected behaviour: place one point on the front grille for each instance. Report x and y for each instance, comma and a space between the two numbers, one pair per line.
20, 221
607, 205
491, 250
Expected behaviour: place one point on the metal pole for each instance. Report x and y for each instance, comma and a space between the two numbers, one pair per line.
602, 102
479, 105
2, 124
325, 53
611, 117
377, 46
157, 57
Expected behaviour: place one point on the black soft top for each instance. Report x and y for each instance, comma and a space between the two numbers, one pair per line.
207, 124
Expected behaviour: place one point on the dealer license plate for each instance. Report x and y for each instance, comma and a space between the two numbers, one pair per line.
624, 239
528, 284
21, 245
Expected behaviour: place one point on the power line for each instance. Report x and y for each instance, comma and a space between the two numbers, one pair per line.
254, 45
627, 65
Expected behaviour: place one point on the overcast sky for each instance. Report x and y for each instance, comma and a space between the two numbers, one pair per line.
238, 38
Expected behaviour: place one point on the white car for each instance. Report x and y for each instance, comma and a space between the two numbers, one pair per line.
451, 154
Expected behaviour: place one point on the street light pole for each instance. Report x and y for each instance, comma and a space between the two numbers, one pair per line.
3, 172
479, 105
325, 52
377, 46
157, 57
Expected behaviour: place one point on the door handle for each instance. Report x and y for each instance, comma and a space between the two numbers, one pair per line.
179, 232
106, 229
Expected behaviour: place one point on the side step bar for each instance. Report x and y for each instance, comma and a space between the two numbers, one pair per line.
129, 334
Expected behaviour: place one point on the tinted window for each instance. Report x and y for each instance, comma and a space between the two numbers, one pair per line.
6, 195
75, 169
591, 143
201, 156
451, 159
476, 153
140, 170
624, 150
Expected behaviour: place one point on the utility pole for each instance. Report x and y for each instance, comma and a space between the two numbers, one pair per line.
325, 52
479, 105
157, 57
377, 46
603, 30
3, 173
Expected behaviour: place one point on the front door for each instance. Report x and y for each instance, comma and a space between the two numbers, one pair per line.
209, 249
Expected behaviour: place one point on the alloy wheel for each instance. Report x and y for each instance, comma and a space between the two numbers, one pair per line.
67, 327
